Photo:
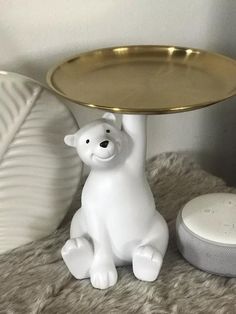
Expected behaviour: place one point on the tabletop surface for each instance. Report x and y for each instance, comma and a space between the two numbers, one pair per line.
145, 79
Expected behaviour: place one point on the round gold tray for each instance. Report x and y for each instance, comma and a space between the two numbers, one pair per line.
145, 79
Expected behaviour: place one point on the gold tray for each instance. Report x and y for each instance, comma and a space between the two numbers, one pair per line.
145, 79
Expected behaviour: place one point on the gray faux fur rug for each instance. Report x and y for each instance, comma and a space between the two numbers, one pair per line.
34, 279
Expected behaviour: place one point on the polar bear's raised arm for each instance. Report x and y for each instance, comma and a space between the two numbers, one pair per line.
135, 127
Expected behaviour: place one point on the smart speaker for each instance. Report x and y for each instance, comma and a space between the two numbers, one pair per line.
206, 233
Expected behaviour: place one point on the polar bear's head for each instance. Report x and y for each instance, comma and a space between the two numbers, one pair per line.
100, 144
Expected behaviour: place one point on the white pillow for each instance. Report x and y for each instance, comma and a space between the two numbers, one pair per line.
39, 174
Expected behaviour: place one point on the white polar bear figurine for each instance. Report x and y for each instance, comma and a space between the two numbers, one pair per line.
117, 223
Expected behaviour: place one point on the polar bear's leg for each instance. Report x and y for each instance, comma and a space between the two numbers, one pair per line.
77, 252
148, 256
103, 272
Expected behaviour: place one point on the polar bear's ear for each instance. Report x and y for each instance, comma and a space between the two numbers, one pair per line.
109, 116
70, 140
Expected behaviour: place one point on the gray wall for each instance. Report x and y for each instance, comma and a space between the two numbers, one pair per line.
36, 34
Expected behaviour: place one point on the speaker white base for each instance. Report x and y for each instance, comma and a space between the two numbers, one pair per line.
206, 233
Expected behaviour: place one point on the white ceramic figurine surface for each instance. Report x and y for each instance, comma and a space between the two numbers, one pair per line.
118, 223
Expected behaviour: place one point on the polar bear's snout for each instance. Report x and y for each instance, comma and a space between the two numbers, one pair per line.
105, 149
104, 144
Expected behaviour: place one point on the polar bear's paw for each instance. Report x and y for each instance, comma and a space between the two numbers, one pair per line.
103, 276
147, 263
77, 254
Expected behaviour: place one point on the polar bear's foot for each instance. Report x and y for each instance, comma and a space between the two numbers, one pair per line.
77, 254
103, 276
147, 263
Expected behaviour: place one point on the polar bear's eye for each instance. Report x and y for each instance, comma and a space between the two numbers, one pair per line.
87, 141
108, 131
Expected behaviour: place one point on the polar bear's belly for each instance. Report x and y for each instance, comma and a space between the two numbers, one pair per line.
125, 207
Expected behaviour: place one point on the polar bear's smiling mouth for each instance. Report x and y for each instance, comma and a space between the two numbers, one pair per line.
103, 159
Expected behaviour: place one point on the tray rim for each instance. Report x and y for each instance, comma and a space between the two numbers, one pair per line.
147, 111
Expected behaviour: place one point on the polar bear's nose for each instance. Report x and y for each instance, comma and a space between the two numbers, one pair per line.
104, 144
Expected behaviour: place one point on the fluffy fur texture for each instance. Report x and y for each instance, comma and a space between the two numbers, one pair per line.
34, 279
